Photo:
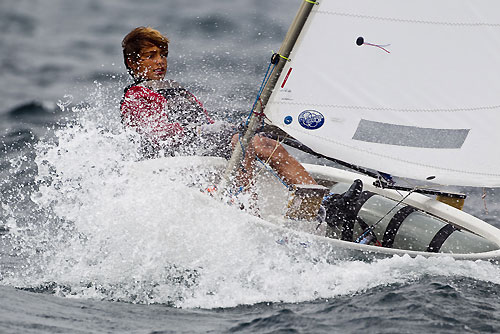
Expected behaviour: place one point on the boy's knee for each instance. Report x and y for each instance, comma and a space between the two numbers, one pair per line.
265, 147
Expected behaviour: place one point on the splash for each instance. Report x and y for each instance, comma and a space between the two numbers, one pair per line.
115, 228
65, 102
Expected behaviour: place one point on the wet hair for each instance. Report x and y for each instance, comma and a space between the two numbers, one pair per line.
138, 39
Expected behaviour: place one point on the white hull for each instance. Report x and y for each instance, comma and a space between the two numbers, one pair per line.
446, 212
274, 198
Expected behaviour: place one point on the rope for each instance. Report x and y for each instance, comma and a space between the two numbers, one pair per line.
383, 47
281, 56
267, 76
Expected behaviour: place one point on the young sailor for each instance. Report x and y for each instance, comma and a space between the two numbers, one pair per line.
171, 121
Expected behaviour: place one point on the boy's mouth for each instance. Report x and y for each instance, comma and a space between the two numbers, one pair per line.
160, 70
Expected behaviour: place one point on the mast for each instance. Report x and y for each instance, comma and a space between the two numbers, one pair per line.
254, 122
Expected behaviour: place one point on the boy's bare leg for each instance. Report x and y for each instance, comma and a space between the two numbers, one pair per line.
274, 154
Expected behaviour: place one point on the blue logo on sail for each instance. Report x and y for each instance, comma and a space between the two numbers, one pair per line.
311, 119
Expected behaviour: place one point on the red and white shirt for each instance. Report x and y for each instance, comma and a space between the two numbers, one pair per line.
161, 109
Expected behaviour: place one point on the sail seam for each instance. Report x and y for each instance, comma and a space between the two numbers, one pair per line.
396, 159
392, 19
336, 106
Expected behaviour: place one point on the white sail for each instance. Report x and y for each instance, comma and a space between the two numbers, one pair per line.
419, 97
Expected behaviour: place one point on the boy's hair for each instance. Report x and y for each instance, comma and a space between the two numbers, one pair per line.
138, 39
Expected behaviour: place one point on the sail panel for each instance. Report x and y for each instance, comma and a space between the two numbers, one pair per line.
404, 87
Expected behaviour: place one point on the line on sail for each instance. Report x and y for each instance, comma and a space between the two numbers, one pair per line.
336, 106
380, 18
409, 136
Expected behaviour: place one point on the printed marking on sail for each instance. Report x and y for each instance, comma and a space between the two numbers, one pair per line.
311, 119
286, 77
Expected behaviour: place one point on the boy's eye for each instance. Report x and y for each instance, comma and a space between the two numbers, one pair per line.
147, 56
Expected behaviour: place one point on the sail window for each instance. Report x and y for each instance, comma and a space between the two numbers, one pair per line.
410, 136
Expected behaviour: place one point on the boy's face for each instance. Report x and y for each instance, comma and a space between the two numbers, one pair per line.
151, 65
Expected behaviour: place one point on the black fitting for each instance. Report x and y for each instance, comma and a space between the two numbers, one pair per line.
275, 58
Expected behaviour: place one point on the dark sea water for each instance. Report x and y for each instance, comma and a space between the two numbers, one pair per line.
90, 243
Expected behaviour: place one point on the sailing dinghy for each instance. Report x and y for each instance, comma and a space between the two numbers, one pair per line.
402, 87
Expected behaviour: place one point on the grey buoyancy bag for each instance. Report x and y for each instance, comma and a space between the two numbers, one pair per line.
354, 213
